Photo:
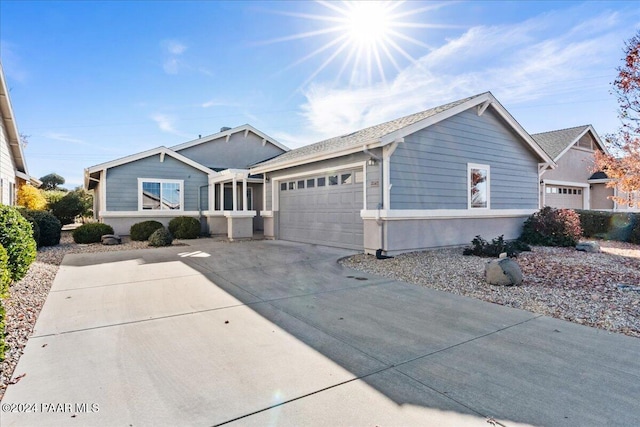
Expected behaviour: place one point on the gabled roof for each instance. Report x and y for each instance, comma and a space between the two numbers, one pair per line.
10, 124
394, 130
143, 155
557, 142
598, 175
227, 133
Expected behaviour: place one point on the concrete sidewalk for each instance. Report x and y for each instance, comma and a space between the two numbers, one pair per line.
278, 333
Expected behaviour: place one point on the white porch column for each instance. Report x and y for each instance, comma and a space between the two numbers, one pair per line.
235, 194
244, 193
221, 196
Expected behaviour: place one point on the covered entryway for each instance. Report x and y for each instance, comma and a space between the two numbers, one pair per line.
323, 209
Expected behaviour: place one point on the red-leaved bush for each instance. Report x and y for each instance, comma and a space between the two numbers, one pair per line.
552, 227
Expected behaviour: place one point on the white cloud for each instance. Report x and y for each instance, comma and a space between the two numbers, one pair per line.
175, 47
549, 56
173, 51
166, 124
64, 138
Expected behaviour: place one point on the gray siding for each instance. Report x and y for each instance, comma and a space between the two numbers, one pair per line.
238, 153
122, 182
429, 170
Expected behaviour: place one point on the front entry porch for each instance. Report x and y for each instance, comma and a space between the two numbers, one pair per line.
233, 198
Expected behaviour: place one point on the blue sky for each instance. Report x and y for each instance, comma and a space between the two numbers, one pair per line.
94, 81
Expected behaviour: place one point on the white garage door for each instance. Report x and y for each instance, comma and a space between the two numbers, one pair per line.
323, 209
558, 196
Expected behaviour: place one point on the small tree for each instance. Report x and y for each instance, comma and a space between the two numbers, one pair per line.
68, 208
53, 181
625, 170
31, 198
86, 199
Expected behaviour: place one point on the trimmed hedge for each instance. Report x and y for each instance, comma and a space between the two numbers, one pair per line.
91, 233
49, 227
161, 237
16, 236
552, 227
621, 226
184, 227
142, 230
5, 274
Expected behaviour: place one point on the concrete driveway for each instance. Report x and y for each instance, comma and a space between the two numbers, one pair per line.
277, 333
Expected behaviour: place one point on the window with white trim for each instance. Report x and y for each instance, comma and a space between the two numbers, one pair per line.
160, 194
478, 181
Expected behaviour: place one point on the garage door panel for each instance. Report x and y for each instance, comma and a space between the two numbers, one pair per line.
564, 197
327, 215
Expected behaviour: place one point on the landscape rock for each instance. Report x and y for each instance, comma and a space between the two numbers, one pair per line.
590, 246
111, 239
503, 272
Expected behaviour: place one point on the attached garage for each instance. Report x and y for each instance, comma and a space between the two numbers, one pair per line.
323, 209
563, 196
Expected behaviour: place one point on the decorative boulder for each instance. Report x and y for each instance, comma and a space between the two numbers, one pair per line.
111, 239
590, 246
503, 272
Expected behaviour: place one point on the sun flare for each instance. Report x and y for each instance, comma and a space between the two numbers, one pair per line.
368, 36
367, 22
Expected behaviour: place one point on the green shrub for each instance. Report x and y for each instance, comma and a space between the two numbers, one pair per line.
2, 345
16, 235
482, 248
160, 237
91, 233
634, 236
5, 274
552, 227
594, 223
610, 225
49, 227
35, 228
184, 227
67, 208
142, 230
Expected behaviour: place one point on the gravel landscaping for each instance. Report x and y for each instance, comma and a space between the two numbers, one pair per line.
595, 289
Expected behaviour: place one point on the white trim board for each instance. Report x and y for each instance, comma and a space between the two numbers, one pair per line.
147, 213
565, 183
149, 153
410, 214
246, 128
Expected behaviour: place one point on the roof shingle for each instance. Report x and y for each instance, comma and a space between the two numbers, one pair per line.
556, 141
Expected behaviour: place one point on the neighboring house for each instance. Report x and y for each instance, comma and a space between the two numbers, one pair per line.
207, 178
432, 179
573, 184
602, 196
13, 165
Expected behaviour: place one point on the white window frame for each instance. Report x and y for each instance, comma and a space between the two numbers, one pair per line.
471, 166
180, 182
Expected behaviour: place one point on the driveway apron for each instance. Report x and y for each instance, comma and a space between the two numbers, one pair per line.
278, 333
